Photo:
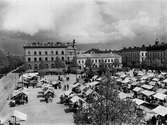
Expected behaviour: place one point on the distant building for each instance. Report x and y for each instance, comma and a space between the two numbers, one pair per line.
157, 55
133, 56
38, 52
111, 59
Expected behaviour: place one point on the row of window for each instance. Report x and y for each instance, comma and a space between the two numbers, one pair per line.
35, 59
97, 60
46, 52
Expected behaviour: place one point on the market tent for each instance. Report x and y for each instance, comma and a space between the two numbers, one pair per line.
67, 92
138, 101
135, 83
165, 81
93, 83
147, 86
95, 77
76, 84
147, 92
160, 90
89, 91
161, 110
152, 83
137, 89
123, 95
76, 99
140, 73
155, 79
160, 96
126, 80
20, 115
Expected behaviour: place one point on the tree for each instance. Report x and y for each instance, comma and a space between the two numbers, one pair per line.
109, 108
42, 65
59, 63
88, 63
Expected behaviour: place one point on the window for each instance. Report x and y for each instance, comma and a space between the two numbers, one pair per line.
79, 62
62, 52
29, 53
40, 59
68, 58
52, 58
109, 60
46, 53
52, 52
29, 59
35, 53
39, 52
56, 52
52, 66
46, 58
62, 58
96, 60
35, 59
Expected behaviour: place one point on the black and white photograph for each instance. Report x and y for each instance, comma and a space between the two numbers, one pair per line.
83, 62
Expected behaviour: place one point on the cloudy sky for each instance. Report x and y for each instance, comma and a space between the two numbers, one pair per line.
89, 21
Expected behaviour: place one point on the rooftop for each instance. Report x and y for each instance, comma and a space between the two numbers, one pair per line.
99, 55
47, 45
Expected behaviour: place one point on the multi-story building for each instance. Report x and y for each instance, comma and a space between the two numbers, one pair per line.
47, 52
157, 55
133, 56
110, 59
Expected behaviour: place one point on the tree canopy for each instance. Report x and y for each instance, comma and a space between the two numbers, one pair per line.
108, 108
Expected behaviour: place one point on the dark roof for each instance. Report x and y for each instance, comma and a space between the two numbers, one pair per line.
46, 45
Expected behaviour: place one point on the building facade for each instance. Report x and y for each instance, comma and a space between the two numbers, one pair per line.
47, 52
133, 56
157, 55
110, 59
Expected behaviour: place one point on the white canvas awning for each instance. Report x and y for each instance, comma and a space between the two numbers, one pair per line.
93, 83
165, 80
20, 115
161, 110
89, 91
76, 99
147, 92
76, 84
138, 101
155, 79
123, 95
160, 96
137, 89
147, 86
160, 90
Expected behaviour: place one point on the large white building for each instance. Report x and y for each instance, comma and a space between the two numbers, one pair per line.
47, 52
110, 59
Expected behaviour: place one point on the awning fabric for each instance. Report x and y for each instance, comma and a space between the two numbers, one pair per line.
161, 110
147, 86
160, 96
138, 101
137, 89
147, 93
20, 115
